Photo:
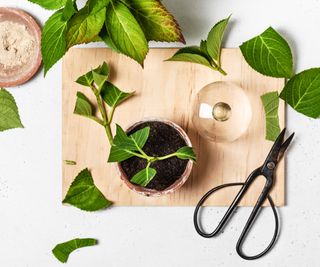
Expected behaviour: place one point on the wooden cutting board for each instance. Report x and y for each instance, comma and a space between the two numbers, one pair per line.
166, 90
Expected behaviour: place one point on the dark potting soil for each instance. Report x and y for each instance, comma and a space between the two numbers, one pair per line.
163, 140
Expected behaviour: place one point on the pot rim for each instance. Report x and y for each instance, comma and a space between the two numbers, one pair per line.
178, 183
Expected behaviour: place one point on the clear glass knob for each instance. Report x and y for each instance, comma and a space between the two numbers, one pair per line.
222, 112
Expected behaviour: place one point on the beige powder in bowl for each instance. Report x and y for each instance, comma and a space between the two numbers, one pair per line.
17, 45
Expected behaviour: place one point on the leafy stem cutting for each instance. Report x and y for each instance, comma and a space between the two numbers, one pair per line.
123, 146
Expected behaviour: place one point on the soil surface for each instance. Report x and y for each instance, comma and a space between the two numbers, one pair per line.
163, 140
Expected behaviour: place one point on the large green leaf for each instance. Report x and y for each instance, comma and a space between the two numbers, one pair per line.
191, 54
53, 44
69, 10
63, 250
270, 103
117, 154
302, 92
140, 137
269, 54
50, 4
144, 176
215, 38
155, 20
186, 152
125, 32
112, 95
87, 23
84, 195
9, 114
122, 141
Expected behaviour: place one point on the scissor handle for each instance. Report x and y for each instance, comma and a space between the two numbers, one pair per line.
245, 186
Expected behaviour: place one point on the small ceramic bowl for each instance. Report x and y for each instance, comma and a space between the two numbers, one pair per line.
178, 183
18, 75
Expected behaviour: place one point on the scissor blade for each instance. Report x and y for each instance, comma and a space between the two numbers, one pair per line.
284, 146
274, 151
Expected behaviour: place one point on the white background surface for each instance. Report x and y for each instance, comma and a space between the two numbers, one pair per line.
32, 219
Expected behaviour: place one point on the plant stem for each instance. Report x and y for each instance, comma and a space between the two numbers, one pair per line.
166, 157
221, 70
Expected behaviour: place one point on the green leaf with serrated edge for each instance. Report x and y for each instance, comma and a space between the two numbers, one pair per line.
87, 23
302, 92
87, 79
215, 38
63, 250
112, 95
125, 32
269, 54
270, 103
104, 35
50, 4
186, 152
84, 195
191, 54
53, 44
140, 137
69, 10
144, 176
155, 20
9, 114
83, 106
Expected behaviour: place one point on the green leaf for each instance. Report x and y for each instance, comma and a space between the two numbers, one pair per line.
87, 23
69, 10
144, 176
84, 195
50, 4
9, 114
87, 79
215, 38
112, 95
105, 37
140, 137
155, 20
186, 152
124, 145
53, 44
125, 32
269, 54
83, 106
63, 250
302, 92
191, 54
270, 103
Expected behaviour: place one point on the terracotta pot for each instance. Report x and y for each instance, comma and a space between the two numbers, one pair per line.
178, 183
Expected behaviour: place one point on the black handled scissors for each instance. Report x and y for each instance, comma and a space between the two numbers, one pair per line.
267, 170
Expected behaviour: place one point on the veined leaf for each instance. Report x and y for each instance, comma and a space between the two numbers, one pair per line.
50, 4
83, 106
99, 79
63, 250
269, 54
155, 20
53, 44
112, 95
191, 54
84, 195
125, 32
117, 154
215, 38
122, 141
302, 92
105, 37
69, 10
140, 137
186, 152
86, 24
87, 79
9, 114
144, 176
270, 103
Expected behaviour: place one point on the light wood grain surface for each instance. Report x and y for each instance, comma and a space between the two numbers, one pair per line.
166, 90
